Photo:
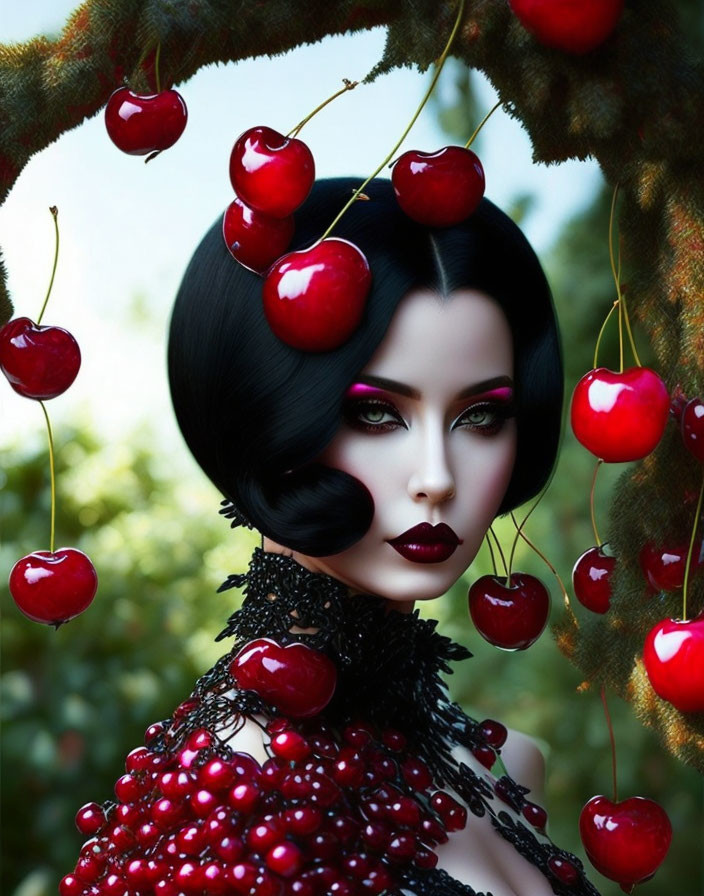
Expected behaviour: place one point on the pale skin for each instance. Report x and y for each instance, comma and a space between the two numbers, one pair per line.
429, 431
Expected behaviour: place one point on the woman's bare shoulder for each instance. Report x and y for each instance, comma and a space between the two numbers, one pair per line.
525, 762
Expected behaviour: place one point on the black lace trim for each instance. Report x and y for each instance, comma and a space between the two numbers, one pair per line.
389, 674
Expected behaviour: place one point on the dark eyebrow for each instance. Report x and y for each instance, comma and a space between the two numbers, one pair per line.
402, 389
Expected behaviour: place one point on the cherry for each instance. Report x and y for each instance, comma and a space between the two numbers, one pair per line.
493, 732
509, 616
564, 870
271, 173
452, 813
53, 587
576, 26
285, 859
620, 417
314, 298
674, 660
291, 746
90, 818
40, 362
664, 567
298, 680
692, 427
139, 124
591, 579
625, 841
438, 189
253, 238
535, 814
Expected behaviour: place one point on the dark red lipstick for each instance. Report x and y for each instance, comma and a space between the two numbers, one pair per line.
426, 543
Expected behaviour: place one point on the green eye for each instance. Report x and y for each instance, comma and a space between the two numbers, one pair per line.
373, 414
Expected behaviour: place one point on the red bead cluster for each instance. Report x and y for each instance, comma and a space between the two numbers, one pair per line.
318, 817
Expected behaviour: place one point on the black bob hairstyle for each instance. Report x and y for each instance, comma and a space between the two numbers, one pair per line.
256, 413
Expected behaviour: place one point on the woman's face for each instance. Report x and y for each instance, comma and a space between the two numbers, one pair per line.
428, 428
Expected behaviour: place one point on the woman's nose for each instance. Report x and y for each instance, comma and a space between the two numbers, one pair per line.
432, 478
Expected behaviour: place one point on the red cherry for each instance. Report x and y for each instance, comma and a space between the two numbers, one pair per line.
53, 588
674, 660
664, 567
452, 813
139, 125
271, 173
591, 579
509, 616
314, 298
253, 238
692, 427
620, 417
285, 859
90, 818
493, 732
291, 746
576, 26
535, 814
298, 680
625, 841
39, 361
438, 189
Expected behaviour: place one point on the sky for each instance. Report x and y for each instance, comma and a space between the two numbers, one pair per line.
128, 229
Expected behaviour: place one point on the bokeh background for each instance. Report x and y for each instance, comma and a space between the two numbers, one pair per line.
75, 701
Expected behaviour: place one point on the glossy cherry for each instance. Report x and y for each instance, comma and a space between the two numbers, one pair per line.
256, 240
591, 579
271, 173
509, 616
625, 841
298, 680
314, 298
692, 427
441, 188
576, 26
140, 124
53, 587
620, 417
664, 567
674, 660
40, 362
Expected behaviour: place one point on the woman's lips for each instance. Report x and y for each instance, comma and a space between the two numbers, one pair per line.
425, 543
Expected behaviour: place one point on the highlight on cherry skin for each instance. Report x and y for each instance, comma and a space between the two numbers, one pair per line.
620, 417
140, 124
53, 587
40, 362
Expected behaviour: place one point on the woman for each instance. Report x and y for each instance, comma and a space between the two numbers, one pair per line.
373, 472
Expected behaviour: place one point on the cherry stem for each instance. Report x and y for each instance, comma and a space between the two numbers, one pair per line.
156, 67
626, 318
348, 85
601, 332
501, 553
438, 69
591, 502
55, 214
481, 124
617, 278
491, 552
691, 550
519, 529
545, 560
613, 742
53, 476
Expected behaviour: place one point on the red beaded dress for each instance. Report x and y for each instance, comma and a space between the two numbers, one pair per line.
351, 800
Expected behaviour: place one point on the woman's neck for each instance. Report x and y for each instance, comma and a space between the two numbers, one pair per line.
315, 564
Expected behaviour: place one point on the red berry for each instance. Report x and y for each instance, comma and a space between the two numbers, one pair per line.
90, 818
148, 834
291, 746
285, 859
71, 885
154, 731
535, 815
438, 189
271, 173
176, 785
348, 769
485, 754
620, 417
229, 848
674, 660
416, 774
167, 813
591, 579
202, 802
298, 680
39, 361
452, 813
216, 775
53, 587
493, 732
664, 567
263, 836
425, 858
401, 847
625, 841
191, 840
511, 617
128, 789
692, 427
256, 240
139, 125
138, 760
576, 26
213, 879
358, 735
404, 811
302, 820
314, 298
244, 797
564, 870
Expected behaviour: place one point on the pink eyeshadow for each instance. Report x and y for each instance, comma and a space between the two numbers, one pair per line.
362, 390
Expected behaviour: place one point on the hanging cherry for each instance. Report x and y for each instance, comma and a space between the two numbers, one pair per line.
511, 616
692, 427
39, 362
620, 417
256, 240
142, 124
673, 655
53, 586
664, 567
575, 26
591, 579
